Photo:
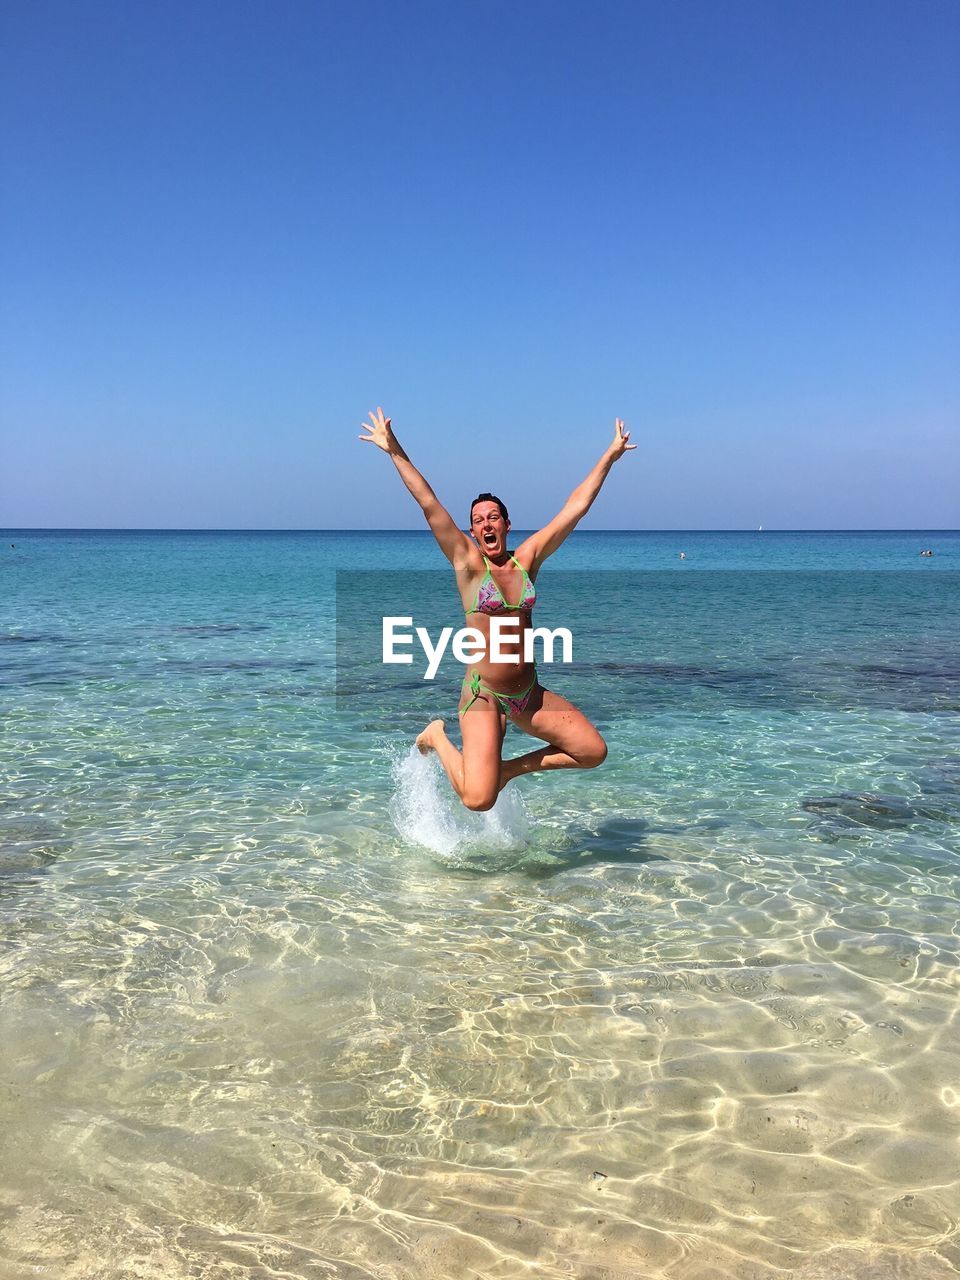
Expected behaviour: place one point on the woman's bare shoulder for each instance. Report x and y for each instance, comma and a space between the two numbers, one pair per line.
526, 555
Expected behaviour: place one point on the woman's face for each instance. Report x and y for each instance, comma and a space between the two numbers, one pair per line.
489, 529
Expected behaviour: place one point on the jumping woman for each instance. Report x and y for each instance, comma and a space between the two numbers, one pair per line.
493, 582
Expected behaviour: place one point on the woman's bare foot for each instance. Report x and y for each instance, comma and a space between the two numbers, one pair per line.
426, 741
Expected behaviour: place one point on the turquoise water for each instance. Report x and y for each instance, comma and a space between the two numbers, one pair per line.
273, 1006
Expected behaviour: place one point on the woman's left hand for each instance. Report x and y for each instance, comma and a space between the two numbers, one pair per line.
621, 439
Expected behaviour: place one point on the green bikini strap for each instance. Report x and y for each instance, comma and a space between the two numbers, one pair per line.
474, 689
522, 569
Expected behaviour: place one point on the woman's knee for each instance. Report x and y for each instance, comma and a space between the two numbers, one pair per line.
593, 754
479, 800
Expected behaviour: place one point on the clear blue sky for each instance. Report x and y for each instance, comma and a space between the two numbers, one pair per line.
230, 229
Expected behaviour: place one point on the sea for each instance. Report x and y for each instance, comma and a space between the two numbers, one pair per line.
274, 1006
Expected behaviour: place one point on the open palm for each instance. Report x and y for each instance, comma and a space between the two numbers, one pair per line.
380, 432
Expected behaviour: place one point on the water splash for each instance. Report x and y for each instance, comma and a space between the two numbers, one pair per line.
425, 811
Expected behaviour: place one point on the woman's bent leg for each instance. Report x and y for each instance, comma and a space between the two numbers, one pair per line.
474, 773
573, 741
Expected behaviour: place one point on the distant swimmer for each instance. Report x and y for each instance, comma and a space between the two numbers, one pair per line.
493, 582
683, 555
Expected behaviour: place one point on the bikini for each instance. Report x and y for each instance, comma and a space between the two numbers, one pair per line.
490, 600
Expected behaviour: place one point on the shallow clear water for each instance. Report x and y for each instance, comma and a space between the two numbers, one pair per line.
273, 1006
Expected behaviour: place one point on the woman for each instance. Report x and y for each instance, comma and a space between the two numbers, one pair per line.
495, 583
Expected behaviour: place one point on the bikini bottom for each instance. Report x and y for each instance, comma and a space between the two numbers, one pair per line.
511, 704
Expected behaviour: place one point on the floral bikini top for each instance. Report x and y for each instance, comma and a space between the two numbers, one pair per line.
490, 598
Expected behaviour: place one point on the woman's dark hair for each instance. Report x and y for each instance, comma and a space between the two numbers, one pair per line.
488, 497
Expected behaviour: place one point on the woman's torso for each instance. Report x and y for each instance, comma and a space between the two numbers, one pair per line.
506, 592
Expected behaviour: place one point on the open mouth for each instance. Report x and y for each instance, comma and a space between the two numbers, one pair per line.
490, 539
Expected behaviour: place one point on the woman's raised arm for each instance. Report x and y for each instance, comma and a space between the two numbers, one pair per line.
453, 542
545, 541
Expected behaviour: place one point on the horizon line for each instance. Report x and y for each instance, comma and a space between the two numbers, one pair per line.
428, 533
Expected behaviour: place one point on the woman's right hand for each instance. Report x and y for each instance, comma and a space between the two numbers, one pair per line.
381, 433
